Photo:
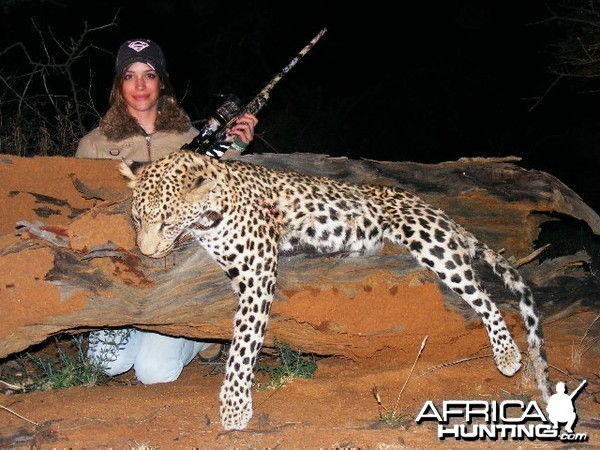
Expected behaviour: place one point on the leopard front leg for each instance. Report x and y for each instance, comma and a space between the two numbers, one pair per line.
255, 286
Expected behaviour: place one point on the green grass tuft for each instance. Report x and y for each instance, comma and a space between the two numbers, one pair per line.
69, 367
292, 365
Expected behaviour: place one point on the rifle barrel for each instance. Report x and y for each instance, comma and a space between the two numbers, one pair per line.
576, 391
263, 96
292, 63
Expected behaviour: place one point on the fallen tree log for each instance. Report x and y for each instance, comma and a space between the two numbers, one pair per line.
80, 270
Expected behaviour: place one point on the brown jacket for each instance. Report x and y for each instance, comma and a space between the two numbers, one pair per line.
119, 136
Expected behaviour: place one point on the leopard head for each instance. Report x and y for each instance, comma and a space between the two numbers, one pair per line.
171, 197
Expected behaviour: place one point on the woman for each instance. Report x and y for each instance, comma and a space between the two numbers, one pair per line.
144, 123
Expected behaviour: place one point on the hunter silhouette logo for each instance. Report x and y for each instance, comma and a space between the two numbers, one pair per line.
138, 46
516, 420
561, 408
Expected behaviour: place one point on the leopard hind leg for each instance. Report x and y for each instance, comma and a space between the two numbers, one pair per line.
442, 246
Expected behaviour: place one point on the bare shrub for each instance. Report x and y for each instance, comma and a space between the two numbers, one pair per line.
45, 99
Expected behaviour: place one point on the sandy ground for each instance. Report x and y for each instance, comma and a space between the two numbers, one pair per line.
336, 408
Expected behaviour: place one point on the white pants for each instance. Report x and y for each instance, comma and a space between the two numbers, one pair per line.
156, 358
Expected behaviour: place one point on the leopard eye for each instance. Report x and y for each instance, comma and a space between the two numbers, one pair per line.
165, 225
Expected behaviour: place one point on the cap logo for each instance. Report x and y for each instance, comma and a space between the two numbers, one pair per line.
138, 46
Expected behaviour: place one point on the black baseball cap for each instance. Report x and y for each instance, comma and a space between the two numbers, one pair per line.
140, 50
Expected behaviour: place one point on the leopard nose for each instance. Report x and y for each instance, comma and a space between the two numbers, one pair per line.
148, 240
146, 247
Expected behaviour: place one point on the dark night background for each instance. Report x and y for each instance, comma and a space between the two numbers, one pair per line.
425, 82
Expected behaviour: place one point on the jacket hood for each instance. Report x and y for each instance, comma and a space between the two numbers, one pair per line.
117, 124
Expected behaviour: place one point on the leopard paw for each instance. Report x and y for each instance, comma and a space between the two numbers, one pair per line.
236, 408
508, 359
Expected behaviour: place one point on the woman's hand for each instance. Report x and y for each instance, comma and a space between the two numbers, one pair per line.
244, 128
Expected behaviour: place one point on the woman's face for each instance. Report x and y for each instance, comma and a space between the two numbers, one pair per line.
140, 88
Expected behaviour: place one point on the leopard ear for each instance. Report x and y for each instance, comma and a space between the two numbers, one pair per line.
130, 169
127, 172
201, 188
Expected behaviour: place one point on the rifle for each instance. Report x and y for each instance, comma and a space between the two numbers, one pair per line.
213, 139
576, 391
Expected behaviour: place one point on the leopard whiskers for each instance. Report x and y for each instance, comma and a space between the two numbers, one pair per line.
184, 241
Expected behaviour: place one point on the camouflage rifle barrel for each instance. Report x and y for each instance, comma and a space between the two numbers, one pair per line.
267, 89
258, 102
213, 137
